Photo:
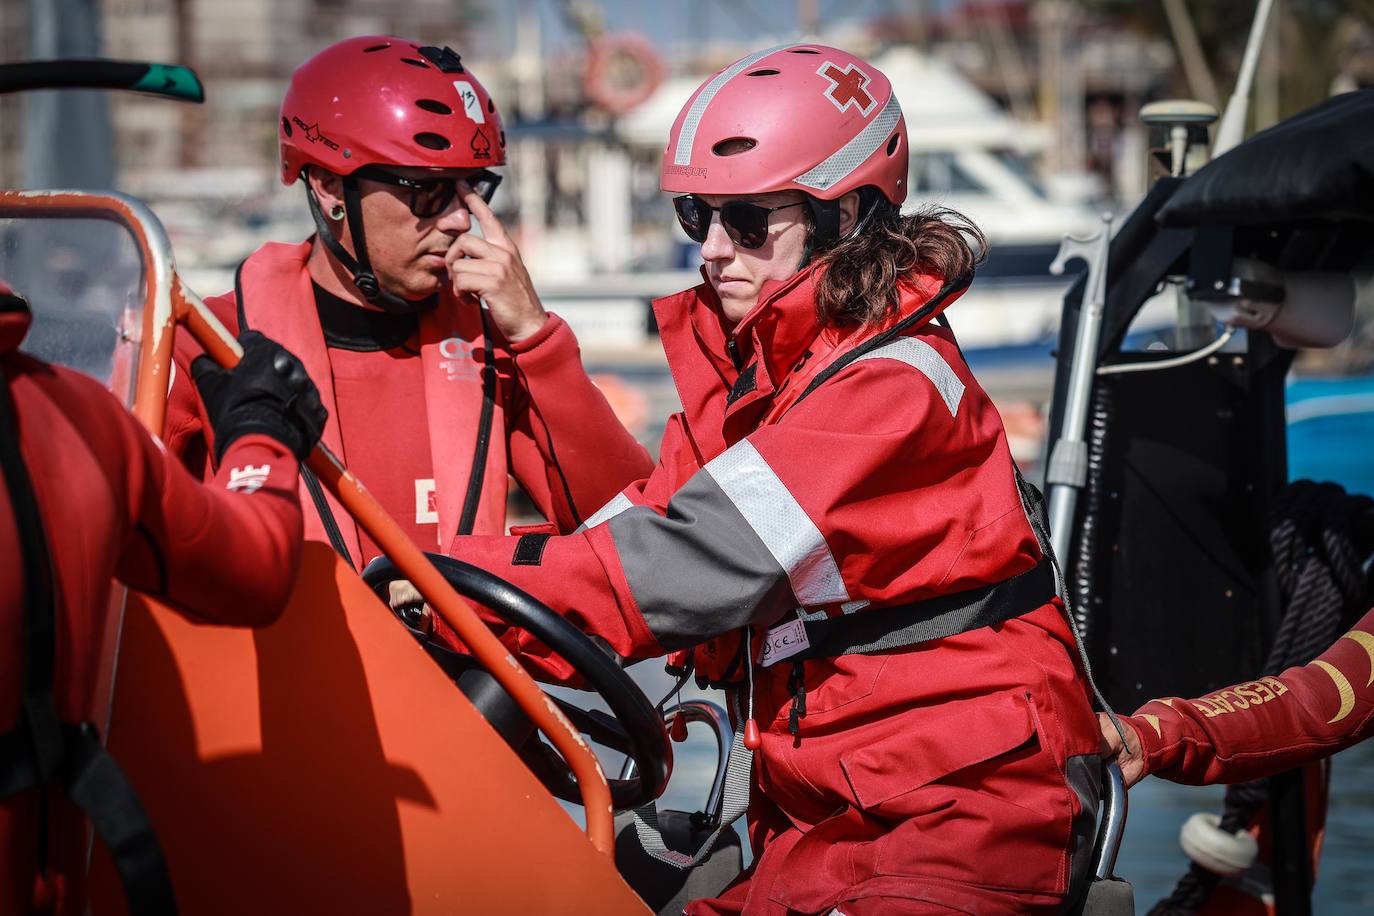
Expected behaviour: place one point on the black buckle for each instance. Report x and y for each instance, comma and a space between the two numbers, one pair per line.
445, 58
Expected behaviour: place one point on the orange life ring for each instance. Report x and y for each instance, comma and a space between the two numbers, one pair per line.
622, 71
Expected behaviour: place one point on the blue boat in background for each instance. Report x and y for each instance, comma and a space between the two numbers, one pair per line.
1331, 431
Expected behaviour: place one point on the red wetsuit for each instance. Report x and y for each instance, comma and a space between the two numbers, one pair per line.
1268, 725
116, 505
956, 775
552, 429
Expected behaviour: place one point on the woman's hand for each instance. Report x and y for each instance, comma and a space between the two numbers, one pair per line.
1128, 756
407, 602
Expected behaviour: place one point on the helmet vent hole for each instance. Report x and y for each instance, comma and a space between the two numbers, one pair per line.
432, 141
892, 144
286, 127
734, 146
381, 47
435, 106
802, 51
415, 63
766, 71
503, 138
491, 107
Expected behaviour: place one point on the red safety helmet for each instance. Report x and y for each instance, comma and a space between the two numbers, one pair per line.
382, 100
804, 117
379, 100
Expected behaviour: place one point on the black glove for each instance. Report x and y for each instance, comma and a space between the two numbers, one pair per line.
268, 392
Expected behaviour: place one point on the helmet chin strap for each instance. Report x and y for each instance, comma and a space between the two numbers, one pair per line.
825, 227
825, 221
360, 269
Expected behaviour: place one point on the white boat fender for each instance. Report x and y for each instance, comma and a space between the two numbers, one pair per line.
1222, 853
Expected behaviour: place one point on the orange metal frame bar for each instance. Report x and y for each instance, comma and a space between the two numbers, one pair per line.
168, 302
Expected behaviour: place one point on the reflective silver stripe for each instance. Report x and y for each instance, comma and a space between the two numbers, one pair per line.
781, 524
856, 152
618, 504
688, 135
927, 360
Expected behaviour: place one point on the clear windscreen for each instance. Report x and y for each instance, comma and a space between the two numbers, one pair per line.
84, 280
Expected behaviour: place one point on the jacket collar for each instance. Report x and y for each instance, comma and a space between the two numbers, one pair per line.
720, 370
781, 337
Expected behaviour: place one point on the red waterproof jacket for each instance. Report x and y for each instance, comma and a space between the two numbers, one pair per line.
116, 505
553, 430
1268, 725
962, 770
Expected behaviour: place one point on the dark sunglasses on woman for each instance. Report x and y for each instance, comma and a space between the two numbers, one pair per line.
432, 196
746, 224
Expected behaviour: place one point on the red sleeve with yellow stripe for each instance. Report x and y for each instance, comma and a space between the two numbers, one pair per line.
1268, 725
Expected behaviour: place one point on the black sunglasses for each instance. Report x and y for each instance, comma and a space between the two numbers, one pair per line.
746, 224
432, 196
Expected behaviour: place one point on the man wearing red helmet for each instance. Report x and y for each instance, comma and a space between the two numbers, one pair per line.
835, 530
434, 398
87, 496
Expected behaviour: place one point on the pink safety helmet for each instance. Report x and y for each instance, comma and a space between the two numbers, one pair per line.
383, 100
812, 118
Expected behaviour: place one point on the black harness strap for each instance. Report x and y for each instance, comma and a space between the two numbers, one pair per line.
867, 632
42, 749
915, 319
479, 457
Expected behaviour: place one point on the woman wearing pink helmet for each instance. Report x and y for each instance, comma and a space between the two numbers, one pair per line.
433, 400
838, 487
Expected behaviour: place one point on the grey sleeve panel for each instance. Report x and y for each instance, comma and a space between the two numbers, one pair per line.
701, 570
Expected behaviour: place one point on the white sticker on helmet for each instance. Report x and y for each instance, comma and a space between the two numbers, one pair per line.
855, 153
472, 103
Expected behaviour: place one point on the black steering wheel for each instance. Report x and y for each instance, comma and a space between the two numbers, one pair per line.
634, 726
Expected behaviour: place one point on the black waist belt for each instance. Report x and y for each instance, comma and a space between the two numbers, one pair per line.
42, 750
882, 629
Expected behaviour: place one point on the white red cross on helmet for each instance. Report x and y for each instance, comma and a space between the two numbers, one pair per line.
847, 86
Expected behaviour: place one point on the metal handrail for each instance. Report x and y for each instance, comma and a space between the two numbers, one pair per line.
1113, 823
714, 716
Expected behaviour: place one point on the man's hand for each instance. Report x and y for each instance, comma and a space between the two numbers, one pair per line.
491, 269
1128, 756
405, 599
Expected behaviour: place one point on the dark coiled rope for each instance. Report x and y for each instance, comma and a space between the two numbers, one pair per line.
1086, 599
1319, 552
